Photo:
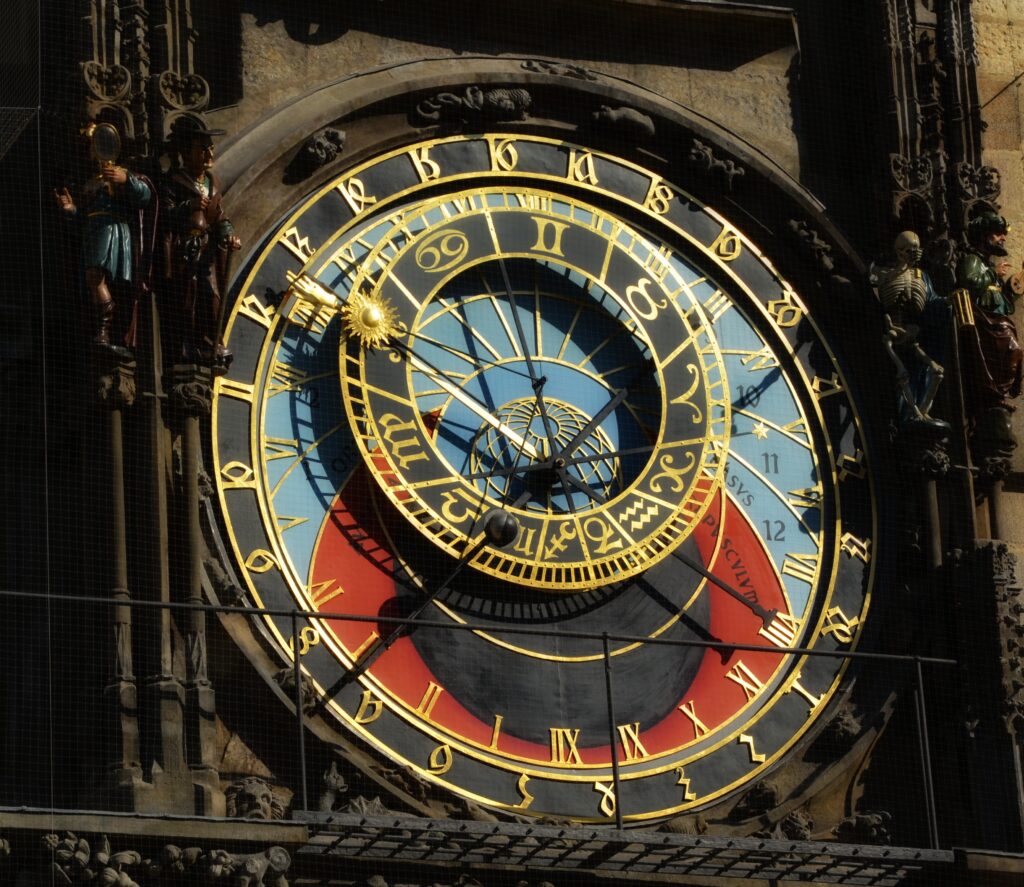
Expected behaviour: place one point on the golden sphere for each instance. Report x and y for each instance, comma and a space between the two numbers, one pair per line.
370, 316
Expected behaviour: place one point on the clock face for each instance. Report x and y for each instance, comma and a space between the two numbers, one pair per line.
478, 331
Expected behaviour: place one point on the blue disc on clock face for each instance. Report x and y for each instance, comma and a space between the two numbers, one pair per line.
574, 344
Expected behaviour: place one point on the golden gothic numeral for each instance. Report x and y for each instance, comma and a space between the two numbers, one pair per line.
426, 169
370, 708
690, 710
581, 167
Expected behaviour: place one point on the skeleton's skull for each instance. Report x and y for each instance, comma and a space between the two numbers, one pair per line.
908, 248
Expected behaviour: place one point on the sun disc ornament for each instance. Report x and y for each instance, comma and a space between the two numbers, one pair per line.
369, 318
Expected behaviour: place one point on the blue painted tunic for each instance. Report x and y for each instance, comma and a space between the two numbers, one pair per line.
106, 235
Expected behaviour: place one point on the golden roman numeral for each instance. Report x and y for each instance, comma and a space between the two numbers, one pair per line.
699, 727
545, 227
496, 730
322, 592
759, 360
371, 639
237, 390
285, 377
716, 305
629, 736
814, 701
808, 497
783, 630
657, 263
801, 566
749, 682
429, 700
279, 448
563, 745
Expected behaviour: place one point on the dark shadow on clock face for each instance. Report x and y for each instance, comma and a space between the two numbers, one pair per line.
538, 683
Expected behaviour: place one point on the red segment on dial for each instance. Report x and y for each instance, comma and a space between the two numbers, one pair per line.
353, 545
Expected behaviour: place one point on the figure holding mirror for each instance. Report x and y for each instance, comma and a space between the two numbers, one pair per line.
109, 212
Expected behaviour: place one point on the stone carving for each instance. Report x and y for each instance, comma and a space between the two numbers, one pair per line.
865, 828
253, 798
838, 736
626, 123
764, 796
75, 861
108, 83
223, 586
911, 306
991, 355
266, 869
115, 385
685, 825
703, 156
978, 182
285, 679
334, 786
797, 826
559, 69
193, 396
363, 806
1010, 613
319, 149
473, 106
184, 92
811, 242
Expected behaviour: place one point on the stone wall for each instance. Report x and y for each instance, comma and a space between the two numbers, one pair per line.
1000, 35
699, 59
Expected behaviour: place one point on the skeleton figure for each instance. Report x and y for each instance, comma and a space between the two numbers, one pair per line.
904, 289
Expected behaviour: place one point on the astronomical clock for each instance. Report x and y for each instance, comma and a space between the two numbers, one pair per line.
563, 480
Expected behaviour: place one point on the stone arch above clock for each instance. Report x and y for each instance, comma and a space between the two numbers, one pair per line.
376, 110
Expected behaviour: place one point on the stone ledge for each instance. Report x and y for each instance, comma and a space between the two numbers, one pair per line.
165, 828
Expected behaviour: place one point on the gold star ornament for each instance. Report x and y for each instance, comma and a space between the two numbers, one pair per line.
369, 318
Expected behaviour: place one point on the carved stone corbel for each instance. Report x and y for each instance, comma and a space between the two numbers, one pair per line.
703, 157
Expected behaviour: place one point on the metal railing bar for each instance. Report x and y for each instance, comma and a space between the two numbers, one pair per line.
469, 626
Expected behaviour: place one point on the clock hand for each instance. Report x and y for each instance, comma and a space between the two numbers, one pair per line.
471, 403
575, 460
536, 381
766, 616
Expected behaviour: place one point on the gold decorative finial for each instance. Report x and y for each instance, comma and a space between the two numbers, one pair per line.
369, 318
